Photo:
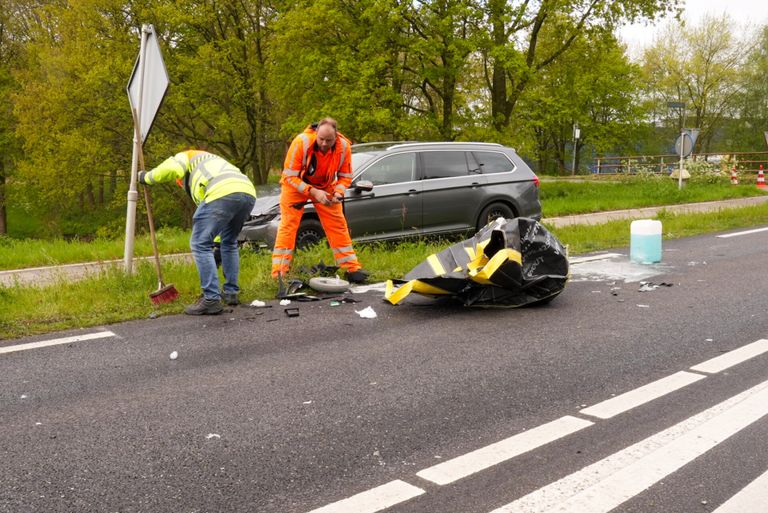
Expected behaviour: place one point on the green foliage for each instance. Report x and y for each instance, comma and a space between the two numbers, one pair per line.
246, 77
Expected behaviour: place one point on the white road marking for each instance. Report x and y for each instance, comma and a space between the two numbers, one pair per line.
56, 342
746, 232
753, 497
732, 358
592, 258
642, 395
604, 485
375, 499
480, 459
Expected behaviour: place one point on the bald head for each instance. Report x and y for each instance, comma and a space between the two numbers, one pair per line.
326, 134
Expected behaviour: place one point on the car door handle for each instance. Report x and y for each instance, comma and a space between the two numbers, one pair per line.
412, 192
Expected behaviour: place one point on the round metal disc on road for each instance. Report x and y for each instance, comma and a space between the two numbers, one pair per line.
332, 285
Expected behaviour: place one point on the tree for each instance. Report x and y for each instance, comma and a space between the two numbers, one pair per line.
699, 66
219, 67
16, 16
747, 134
512, 48
601, 96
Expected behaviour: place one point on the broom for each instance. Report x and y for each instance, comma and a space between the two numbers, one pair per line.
164, 293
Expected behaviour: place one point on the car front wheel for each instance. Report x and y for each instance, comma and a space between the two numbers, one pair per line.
492, 212
310, 232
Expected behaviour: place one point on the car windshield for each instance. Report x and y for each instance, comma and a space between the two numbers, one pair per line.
358, 159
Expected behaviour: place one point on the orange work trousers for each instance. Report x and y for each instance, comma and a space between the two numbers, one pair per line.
334, 225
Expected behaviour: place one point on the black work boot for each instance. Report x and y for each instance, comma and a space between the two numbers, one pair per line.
358, 276
204, 307
230, 299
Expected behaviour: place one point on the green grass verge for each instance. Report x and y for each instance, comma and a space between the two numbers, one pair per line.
24, 253
562, 198
112, 296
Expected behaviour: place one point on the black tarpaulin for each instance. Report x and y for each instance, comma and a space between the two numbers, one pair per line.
509, 263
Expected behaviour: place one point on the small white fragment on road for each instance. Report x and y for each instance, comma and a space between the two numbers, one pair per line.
647, 287
709, 340
366, 313
644, 306
212, 435
38, 423
307, 402
173, 355
284, 302
24, 396
258, 304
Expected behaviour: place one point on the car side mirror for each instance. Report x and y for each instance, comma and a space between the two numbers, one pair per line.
363, 186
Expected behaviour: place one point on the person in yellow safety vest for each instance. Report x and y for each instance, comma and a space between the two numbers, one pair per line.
317, 167
224, 197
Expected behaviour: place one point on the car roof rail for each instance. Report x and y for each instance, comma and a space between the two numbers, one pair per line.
444, 143
379, 144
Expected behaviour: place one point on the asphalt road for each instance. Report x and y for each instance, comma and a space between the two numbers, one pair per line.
604, 400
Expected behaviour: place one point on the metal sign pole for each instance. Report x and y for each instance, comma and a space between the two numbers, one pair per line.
133, 195
576, 134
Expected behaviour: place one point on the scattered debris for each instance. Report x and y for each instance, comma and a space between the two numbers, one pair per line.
292, 312
212, 435
366, 313
173, 355
647, 286
284, 302
307, 402
644, 306
258, 304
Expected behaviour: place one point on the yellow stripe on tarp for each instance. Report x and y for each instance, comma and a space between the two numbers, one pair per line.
395, 296
501, 257
435, 264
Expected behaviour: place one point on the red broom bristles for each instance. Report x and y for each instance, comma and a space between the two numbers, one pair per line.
165, 294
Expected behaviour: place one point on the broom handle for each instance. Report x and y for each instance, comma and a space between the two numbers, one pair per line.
148, 201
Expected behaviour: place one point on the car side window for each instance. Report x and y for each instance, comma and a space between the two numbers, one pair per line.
492, 162
444, 164
391, 169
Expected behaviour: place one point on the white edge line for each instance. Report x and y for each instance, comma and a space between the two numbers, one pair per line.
375, 499
56, 341
731, 358
485, 457
604, 485
639, 396
752, 497
737, 234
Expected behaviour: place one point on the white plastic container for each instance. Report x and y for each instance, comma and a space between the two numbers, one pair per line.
645, 241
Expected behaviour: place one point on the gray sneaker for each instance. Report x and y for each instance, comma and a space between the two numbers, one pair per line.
230, 299
204, 307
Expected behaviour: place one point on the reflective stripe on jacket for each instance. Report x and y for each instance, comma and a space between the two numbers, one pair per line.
206, 176
325, 172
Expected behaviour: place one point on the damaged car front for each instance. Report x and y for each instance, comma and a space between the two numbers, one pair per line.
260, 230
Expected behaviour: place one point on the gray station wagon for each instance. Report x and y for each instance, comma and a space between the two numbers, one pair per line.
419, 189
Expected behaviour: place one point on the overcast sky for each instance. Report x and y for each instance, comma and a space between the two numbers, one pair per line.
744, 12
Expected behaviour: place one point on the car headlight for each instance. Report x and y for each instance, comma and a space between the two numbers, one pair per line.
260, 219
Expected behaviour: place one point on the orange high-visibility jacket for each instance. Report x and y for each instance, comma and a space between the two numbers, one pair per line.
304, 168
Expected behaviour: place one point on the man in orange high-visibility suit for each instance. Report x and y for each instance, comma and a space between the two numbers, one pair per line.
318, 168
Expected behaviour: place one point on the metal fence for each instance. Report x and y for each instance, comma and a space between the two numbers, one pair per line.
666, 164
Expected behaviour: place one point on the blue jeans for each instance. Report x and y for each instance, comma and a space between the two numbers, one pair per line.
223, 216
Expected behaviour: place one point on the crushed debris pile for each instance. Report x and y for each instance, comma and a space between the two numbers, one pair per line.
509, 263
